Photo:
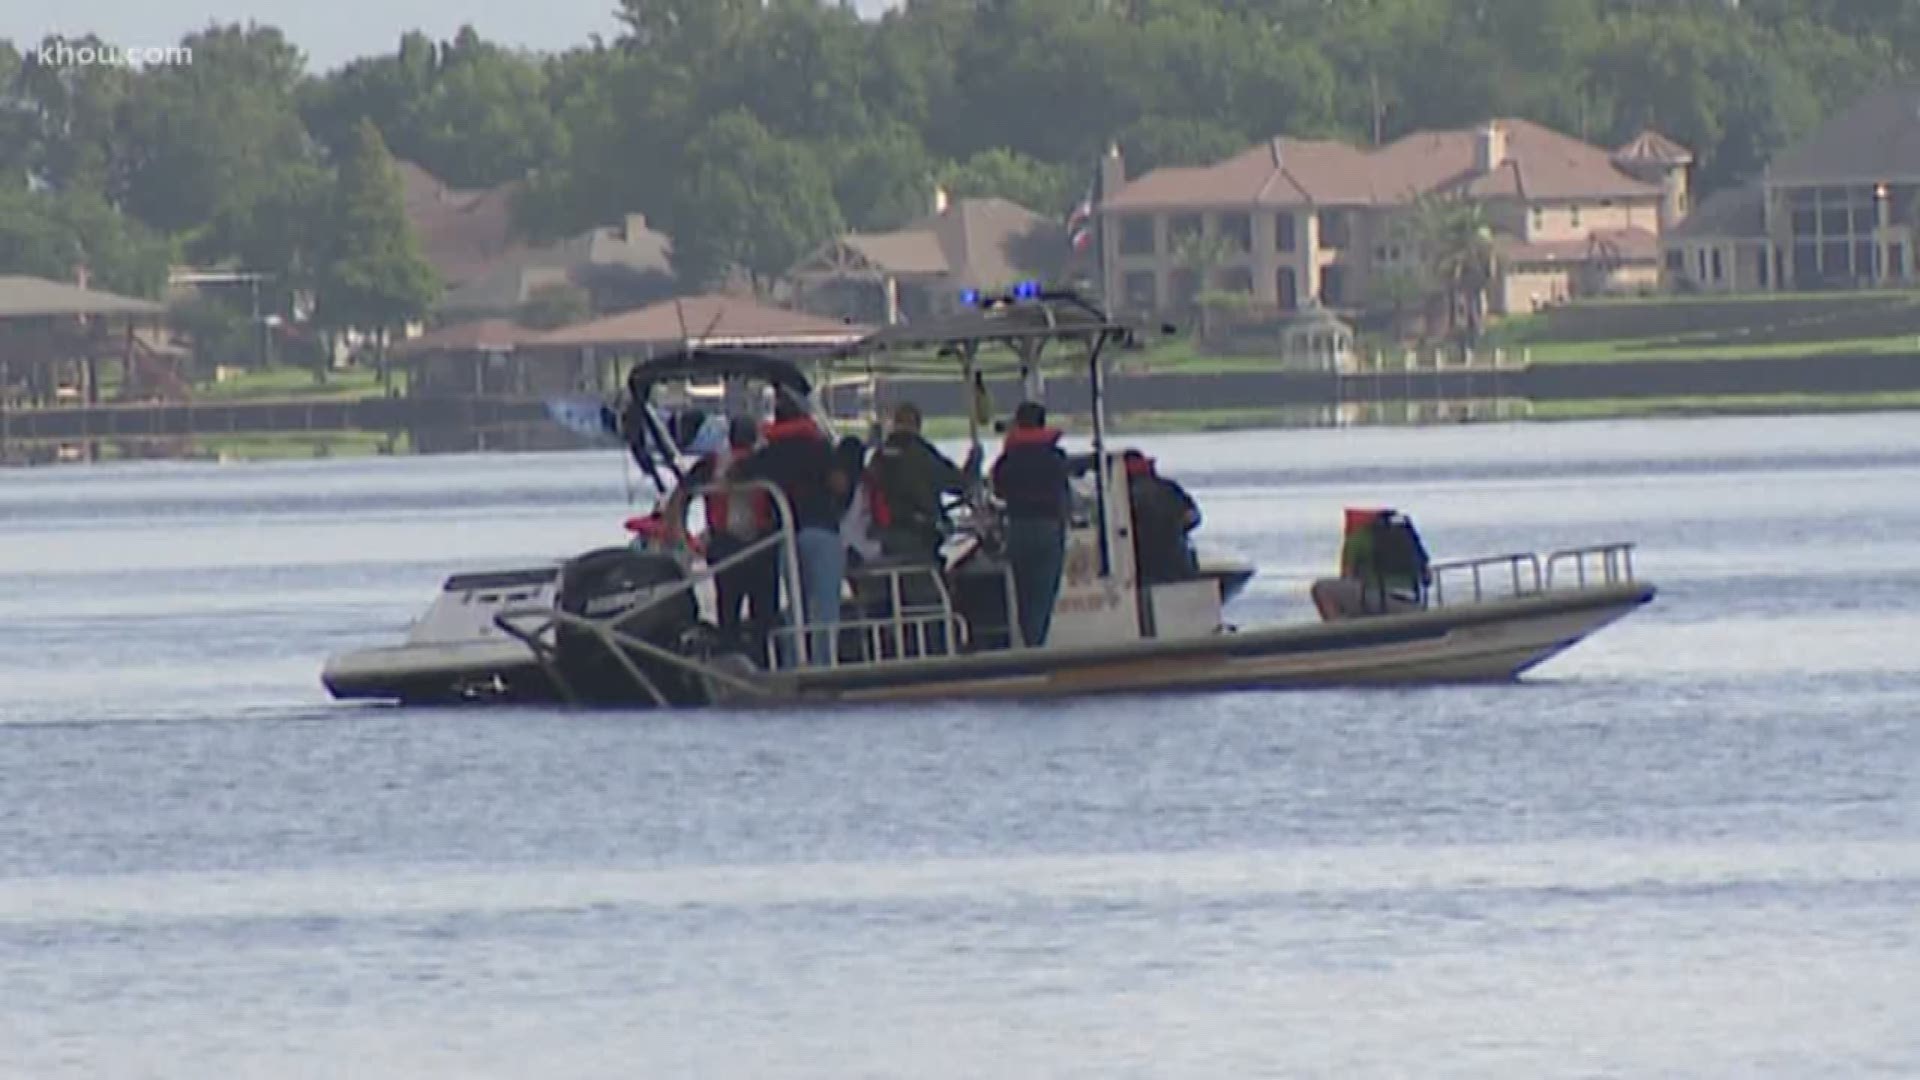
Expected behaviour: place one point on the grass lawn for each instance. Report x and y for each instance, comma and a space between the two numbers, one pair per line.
1729, 405
296, 383
1623, 350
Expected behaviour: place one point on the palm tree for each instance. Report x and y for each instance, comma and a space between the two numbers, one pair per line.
1455, 240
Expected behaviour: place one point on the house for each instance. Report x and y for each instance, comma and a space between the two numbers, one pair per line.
462, 233
619, 267
1838, 209
488, 358
922, 270
1293, 221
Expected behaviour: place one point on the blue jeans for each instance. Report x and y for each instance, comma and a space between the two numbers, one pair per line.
823, 565
1037, 550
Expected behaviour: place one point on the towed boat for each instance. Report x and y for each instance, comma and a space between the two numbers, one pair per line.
630, 625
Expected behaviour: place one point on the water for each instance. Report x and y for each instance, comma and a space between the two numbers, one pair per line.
1689, 847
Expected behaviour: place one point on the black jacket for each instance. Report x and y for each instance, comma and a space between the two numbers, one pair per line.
1031, 475
800, 462
1163, 514
912, 475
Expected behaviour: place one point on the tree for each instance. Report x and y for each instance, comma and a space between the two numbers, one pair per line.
884, 180
1008, 174
1455, 242
55, 234
484, 120
551, 306
373, 278
749, 201
202, 135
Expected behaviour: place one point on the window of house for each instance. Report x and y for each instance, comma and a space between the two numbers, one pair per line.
1806, 263
1237, 231
1806, 221
1863, 259
1333, 285
1286, 288
1897, 260
1573, 215
1676, 261
1184, 285
1283, 231
1234, 279
1836, 259
1180, 227
1681, 201
1136, 235
1333, 229
1763, 268
1700, 263
1142, 292
1718, 270
1539, 219
1834, 220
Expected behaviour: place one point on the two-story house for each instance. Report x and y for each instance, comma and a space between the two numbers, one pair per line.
1295, 220
1838, 209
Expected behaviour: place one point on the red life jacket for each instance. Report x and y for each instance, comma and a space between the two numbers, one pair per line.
718, 503
878, 508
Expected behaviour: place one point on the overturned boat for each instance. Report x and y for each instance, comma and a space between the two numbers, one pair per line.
630, 625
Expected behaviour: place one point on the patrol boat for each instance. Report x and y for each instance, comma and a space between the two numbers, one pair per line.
629, 626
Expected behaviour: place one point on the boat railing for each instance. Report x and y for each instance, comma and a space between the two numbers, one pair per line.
1603, 564
1502, 576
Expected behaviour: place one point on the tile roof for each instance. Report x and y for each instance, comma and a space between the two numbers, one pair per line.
1651, 146
32, 297
1540, 163
713, 320
481, 335
1873, 140
463, 233
978, 243
1733, 214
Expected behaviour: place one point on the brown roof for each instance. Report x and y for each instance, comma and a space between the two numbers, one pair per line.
481, 335
1604, 245
1651, 146
462, 233
1540, 163
978, 243
31, 297
708, 320
1734, 214
1874, 140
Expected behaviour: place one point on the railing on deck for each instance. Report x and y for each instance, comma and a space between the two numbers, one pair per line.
1500, 577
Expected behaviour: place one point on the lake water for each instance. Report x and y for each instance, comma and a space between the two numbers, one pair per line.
1690, 847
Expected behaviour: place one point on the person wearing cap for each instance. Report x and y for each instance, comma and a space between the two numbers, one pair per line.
1163, 517
1031, 479
736, 518
904, 484
798, 459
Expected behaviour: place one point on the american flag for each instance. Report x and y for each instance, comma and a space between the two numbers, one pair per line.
1080, 222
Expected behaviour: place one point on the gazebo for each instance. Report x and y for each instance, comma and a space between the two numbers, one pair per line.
53, 334
483, 358
1316, 338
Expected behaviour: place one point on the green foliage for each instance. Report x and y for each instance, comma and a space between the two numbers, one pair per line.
51, 235
555, 305
747, 200
372, 277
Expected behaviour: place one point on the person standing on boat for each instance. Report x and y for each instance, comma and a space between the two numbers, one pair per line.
798, 459
736, 518
1031, 479
905, 482
1163, 516
1383, 569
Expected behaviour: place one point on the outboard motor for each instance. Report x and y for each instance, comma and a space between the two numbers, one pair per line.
619, 583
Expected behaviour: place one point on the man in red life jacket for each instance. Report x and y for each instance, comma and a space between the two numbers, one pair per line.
735, 519
1163, 515
798, 460
1031, 479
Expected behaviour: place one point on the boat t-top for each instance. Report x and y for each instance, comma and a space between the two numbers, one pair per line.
634, 625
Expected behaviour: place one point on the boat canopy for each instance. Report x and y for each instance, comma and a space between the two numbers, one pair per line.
704, 364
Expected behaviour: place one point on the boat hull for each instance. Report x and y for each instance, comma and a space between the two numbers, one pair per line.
1483, 643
